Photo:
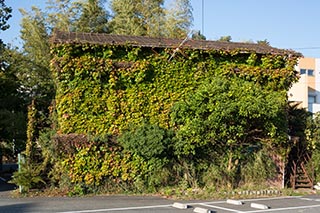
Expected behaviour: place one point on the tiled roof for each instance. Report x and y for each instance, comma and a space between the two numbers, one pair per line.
141, 41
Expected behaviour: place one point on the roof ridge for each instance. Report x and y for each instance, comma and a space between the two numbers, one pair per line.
162, 42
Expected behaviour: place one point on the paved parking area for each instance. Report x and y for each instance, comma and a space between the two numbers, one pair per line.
309, 204
135, 204
279, 204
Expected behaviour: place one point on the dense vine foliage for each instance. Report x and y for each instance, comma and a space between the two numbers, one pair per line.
102, 89
176, 113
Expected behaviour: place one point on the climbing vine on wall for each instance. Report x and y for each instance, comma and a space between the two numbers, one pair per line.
101, 89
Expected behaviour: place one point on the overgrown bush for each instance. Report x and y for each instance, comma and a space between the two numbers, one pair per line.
148, 141
314, 165
259, 169
222, 122
28, 177
153, 144
215, 177
103, 164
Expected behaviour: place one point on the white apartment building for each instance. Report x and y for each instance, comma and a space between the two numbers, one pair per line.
307, 90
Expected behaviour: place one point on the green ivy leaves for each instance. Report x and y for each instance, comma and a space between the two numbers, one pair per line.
100, 89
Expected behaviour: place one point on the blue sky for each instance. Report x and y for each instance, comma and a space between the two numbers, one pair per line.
287, 24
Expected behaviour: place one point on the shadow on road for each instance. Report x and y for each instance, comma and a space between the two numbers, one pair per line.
4, 186
17, 208
5, 176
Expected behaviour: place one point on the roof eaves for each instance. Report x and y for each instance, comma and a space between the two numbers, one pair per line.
140, 41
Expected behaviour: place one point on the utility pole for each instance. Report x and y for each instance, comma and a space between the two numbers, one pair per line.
202, 14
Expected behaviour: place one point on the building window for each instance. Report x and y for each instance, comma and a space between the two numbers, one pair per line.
312, 99
310, 72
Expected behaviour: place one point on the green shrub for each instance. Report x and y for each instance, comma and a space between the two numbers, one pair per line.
259, 169
99, 165
153, 144
148, 141
315, 163
218, 177
28, 177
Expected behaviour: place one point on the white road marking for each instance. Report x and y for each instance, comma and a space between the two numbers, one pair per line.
250, 200
304, 198
310, 199
256, 199
118, 209
222, 208
284, 209
207, 204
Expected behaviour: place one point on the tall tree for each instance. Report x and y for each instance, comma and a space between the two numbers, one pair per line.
152, 12
12, 105
93, 18
179, 19
125, 21
61, 14
5, 15
35, 70
137, 17
12, 116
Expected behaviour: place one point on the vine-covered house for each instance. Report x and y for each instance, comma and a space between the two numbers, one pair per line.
107, 83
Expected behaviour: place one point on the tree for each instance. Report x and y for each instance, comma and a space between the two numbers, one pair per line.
12, 115
152, 13
61, 15
34, 65
263, 42
5, 15
198, 36
225, 38
179, 19
313, 139
12, 107
83, 16
93, 18
137, 17
150, 18
124, 21
225, 120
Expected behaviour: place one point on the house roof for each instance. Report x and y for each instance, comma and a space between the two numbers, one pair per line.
152, 42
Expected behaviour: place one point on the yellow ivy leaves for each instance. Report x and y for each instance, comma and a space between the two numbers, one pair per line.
101, 89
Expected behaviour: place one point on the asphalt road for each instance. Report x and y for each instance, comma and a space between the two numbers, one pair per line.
135, 204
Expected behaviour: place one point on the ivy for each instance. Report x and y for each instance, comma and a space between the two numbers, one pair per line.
188, 111
101, 89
